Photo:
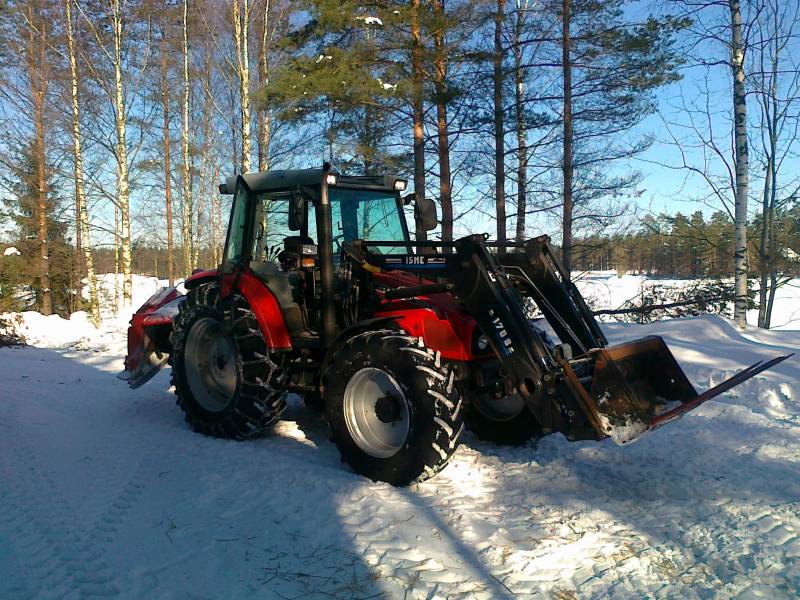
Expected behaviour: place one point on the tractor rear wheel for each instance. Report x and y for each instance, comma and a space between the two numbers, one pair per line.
394, 409
505, 420
227, 381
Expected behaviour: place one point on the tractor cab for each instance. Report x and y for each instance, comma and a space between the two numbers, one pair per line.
289, 230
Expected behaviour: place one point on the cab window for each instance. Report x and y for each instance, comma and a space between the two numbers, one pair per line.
272, 226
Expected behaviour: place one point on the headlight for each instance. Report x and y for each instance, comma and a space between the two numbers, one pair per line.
400, 185
331, 178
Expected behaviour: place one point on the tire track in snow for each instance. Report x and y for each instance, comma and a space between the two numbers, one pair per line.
60, 561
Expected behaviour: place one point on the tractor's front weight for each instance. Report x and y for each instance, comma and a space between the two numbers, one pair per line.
582, 387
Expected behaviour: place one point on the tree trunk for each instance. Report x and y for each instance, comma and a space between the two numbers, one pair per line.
764, 250
499, 130
188, 203
740, 143
123, 186
522, 147
417, 78
116, 257
770, 116
216, 221
566, 237
81, 210
445, 184
264, 121
38, 85
241, 23
167, 160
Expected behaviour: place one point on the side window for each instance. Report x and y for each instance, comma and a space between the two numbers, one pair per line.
233, 245
272, 226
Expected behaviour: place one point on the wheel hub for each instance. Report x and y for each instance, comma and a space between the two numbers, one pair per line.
210, 365
376, 412
388, 409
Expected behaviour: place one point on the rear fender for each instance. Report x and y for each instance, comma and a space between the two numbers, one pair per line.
199, 277
263, 303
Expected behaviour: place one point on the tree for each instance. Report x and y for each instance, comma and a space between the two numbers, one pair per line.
499, 123
241, 36
775, 82
609, 66
164, 92
740, 163
443, 94
27, 64
566, 65
82, 237
186, 166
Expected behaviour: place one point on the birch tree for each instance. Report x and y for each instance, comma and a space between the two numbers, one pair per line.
121, 153
241, 37
167, 148
186, 174
740, 164
264, 119
83, 237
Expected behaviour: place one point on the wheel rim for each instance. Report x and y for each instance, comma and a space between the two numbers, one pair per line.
376, 412
499, 409
210, 360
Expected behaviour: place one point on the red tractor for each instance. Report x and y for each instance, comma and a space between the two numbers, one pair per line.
323, 293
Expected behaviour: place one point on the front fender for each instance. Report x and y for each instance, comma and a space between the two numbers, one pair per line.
445, 332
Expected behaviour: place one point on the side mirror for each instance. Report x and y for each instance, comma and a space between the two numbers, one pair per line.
297, 211
425, 213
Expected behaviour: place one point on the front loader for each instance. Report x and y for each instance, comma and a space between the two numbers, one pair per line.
402, 343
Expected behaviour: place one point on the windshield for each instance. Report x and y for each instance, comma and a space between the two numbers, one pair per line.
365, 215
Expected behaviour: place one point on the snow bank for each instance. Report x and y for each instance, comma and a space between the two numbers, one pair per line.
52, 331
78, 331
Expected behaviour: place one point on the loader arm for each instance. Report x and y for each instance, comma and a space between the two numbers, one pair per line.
582, 387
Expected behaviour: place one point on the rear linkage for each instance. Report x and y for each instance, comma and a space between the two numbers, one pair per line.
580, 387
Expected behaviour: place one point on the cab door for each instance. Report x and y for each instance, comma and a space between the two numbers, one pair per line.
238, 242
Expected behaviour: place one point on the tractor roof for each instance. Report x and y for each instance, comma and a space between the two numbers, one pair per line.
281, 180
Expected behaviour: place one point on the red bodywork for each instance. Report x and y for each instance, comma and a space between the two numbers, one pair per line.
438, 319
143, 359
263, 303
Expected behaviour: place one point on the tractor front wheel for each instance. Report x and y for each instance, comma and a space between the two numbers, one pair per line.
228, 383
394, 409
505, 420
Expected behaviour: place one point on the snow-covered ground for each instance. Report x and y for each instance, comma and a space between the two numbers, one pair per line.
105, 491
607, 289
